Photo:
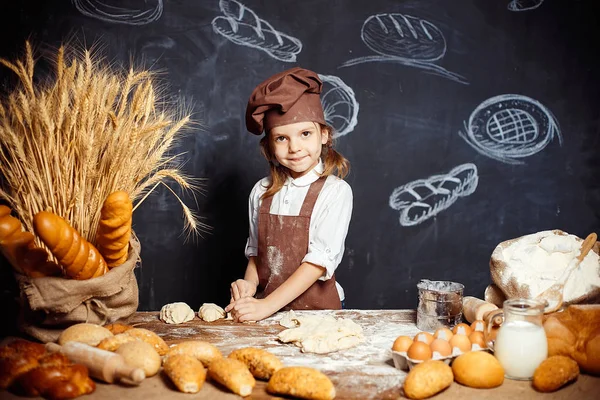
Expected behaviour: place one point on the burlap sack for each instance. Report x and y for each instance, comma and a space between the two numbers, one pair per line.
506, 286
50, 304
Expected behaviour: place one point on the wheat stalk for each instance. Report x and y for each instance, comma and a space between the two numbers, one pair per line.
65, 145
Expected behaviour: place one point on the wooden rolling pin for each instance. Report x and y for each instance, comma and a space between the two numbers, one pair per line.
476, 309
102, 364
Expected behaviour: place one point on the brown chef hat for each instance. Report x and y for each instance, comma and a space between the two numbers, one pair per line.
285, 98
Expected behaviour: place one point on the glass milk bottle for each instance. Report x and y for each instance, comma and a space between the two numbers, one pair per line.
521, 344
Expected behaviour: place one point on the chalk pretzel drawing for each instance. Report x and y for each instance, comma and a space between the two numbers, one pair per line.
139, 12
242, 26
422, 199
339, 105
510, 127
407, 40
524, 5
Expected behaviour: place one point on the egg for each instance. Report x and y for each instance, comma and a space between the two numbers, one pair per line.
443, 333
419, 351
462, 342
462, 329
478, 339
478, 326
424, 337
402, 343
441, 346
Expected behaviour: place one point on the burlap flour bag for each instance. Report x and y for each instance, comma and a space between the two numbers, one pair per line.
528, 265
50, 304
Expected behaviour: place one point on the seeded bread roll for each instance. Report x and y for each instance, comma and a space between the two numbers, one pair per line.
186, 372
232, 374
261, 363
302, 382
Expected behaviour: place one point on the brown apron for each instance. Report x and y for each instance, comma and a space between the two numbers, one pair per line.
282, 244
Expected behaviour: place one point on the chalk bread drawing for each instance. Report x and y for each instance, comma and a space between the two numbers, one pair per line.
510, 127
242, 26
339, 105
130, 12
524, 5
407, 40
422, 199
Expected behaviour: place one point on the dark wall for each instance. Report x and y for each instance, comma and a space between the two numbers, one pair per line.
467, 177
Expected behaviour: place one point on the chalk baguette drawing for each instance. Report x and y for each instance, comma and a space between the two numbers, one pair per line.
524, 5
422, 199
130, 12
510, 127
407, 40
242, 26
339, 105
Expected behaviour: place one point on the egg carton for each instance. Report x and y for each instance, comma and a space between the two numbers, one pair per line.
403, 362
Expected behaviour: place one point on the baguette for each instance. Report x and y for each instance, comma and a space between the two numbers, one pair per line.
20, 250
80, 259
114, 229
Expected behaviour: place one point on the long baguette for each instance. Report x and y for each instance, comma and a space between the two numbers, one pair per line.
114, 229
80, 259
19, 248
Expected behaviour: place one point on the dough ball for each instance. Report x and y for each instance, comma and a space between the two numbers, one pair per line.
210, 312
176, 313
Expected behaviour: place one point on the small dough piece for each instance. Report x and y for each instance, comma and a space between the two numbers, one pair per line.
555, 372
302, 382
232, 374
427, 379
320, 334
185, 372
112, 343
478, 369
90, 334
176, 313
200, 350
149, 337
261, 363
211, 312
142, 355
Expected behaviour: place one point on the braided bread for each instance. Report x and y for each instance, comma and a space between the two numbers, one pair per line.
79, 257
114, 229
29, 370
19, 248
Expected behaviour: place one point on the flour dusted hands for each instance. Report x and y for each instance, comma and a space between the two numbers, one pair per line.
250, 309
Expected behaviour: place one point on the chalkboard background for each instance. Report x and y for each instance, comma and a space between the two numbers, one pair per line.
407, 129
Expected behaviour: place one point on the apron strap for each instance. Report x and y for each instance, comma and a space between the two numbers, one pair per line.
311, 197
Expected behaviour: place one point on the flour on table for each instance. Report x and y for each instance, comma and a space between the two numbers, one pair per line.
211, 312
320, 334
539, 260
176, 313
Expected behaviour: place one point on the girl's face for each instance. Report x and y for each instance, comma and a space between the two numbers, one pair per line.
298, 146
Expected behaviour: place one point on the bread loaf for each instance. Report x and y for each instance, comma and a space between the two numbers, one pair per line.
555, 372
261, 363
90, 334
575, 333
149, 337
20, 250
80, 259
427, 379
114, 229
478, 369
185, 372
141, 355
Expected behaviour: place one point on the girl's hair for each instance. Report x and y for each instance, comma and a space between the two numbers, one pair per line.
332, 161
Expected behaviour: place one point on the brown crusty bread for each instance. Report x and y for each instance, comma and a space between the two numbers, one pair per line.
186, 372
302, 382
232, 374
261, 363
114, 228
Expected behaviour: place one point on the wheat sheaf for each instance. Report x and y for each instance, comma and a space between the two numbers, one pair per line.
87, 130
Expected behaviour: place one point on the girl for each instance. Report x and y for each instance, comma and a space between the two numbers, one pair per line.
299, 215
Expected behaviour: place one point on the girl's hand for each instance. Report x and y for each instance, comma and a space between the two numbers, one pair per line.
242, 288
250, 309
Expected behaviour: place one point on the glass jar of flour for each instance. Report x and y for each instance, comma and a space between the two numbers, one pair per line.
521, 344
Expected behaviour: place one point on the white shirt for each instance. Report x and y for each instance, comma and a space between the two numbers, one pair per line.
328, 223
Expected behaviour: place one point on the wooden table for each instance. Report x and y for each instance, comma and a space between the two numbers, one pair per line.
363, 372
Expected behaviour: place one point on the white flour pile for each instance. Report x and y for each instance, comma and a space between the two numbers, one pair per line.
539, 260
